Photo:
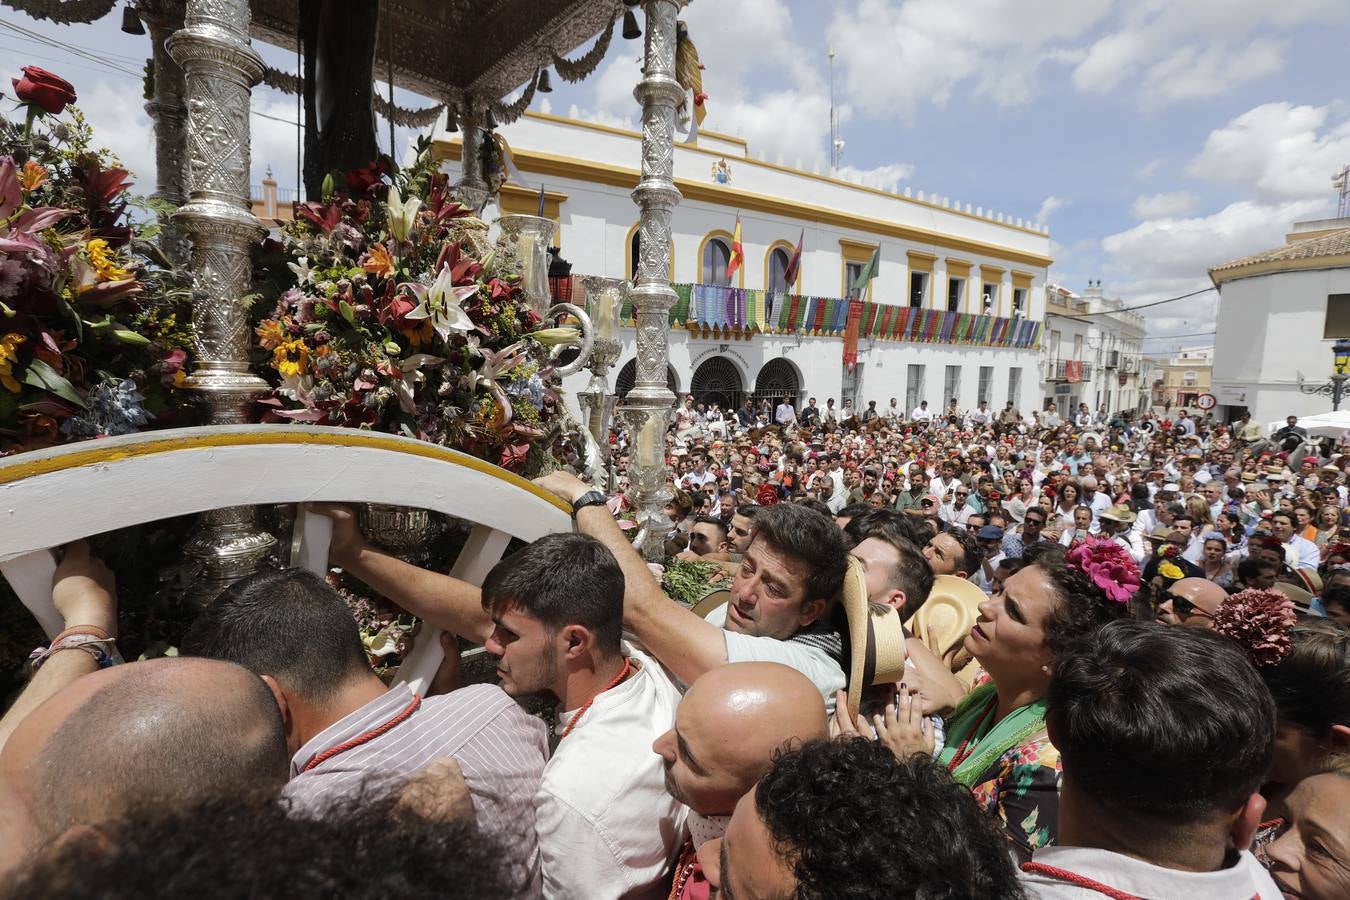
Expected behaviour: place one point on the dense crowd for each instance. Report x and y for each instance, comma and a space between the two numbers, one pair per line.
959, 654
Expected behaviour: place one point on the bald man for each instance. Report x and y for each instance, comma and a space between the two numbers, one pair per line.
1191, 601
84, 743
728, 726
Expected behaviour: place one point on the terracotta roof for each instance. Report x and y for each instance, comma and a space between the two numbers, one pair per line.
1337, 243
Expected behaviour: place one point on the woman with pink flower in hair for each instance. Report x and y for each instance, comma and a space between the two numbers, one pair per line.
996, 742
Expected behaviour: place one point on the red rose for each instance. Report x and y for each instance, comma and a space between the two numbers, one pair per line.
41, 88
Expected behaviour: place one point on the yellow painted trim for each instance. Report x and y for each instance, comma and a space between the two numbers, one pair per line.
768, 257
851, 251
516, 200
95, 453
920, 261
1252, 270
990, 275
630, 264
725, 236
617, 176
1022, 279
959, 267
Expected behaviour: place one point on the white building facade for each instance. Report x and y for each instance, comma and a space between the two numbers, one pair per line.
1279, 313
955, 310
1093, 352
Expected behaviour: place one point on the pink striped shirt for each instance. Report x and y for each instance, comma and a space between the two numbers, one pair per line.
501, 749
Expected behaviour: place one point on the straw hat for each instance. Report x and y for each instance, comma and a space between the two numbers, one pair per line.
876, 641
1118, 513
1302, 599
714, 598
950, 611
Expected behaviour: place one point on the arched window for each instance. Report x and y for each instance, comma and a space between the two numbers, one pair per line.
779, 259
716, 257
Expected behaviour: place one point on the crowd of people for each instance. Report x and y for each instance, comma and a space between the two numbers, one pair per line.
1148, 695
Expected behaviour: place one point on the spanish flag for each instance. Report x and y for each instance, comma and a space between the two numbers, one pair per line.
737, 253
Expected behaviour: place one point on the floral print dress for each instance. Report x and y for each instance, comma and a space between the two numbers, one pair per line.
1021, 789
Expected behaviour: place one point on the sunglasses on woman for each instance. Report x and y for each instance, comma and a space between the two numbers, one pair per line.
1184, 607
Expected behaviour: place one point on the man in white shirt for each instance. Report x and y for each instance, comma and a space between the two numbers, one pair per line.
1299, 552
1084, 417
1131, 821
1094, 498
606, 826
785, 415
831, 414
700, 476
946, 483
781, 596
921, 413
893, 412
981, 416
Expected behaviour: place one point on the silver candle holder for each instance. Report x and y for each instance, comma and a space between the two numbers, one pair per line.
605, 298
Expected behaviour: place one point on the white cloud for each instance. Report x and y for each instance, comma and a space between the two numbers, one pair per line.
1166, 256
1164, 206
1193, 72
1149, 169
906, 53
887, 177
1284, 151
1048, 207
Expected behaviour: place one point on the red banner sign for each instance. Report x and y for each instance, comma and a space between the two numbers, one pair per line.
851, 328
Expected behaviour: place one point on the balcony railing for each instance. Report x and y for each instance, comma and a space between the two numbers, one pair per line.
1071, 370
742, 312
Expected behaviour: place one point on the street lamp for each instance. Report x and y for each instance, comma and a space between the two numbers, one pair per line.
1335, 388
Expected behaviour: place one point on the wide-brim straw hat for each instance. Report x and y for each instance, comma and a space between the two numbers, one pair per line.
876, 640
1118, 513
950, 612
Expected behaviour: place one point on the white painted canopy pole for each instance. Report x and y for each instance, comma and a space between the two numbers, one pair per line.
31, 577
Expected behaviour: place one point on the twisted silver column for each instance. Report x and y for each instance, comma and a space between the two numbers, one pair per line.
219, 71
646, 409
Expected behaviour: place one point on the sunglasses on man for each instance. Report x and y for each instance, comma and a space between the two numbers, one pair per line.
1183, 607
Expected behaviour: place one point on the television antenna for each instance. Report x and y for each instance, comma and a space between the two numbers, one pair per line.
836, 142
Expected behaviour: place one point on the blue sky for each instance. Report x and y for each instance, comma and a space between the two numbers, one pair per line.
1155, 137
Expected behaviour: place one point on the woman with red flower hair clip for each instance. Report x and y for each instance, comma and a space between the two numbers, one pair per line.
996, 742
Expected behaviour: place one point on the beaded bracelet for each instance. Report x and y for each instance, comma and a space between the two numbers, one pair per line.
103, 650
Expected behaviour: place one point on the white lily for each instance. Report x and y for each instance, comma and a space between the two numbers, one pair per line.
441, 304
303, 273
402, 214
412, 376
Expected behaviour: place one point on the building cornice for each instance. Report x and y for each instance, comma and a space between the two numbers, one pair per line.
553, 166
1254, 270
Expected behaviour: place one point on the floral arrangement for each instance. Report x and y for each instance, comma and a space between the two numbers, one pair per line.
1260, 621
1107, 565
94, 321
392, 312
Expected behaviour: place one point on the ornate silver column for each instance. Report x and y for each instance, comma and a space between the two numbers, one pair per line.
169, 113
220, 69
646, 409
471, 190
604, 299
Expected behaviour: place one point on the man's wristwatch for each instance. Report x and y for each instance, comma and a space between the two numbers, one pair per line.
590, 498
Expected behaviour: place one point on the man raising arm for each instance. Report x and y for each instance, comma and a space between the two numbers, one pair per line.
781, 596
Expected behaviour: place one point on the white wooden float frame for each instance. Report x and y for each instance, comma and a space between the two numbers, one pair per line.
51, 497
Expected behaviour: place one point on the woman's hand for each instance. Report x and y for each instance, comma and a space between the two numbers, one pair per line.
842, 725
904, 729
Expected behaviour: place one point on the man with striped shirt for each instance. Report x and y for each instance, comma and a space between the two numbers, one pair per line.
348, 733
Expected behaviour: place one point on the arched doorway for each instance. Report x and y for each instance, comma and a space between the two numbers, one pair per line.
628, 377
776, 381
717, 380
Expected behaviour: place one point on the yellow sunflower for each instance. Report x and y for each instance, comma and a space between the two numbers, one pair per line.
291, 358
101, 258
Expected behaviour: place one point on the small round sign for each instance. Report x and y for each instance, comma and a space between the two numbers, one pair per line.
1206, 401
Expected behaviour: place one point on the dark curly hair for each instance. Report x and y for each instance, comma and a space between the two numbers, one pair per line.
854, 823
251, 847
1082, 608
